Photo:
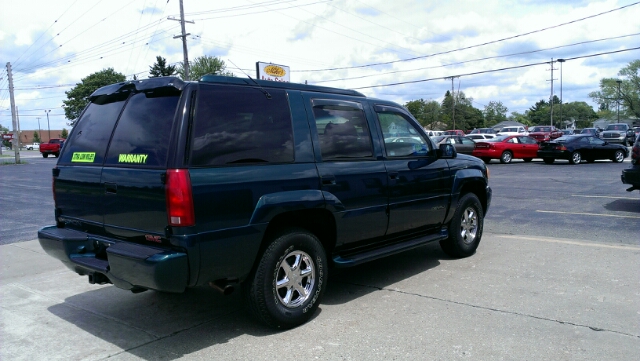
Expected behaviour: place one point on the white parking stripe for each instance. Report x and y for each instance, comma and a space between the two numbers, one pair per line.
590, 214
579, 195
572, 242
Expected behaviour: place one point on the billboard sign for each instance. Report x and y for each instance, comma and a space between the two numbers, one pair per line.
273, 72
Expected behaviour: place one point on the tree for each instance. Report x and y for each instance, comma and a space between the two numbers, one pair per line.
36, 137
77, 96
626, 93
425, 112
64, 133
160, 68
204, 65
494, 113
580, 112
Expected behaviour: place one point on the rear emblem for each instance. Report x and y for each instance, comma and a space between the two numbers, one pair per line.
151, 238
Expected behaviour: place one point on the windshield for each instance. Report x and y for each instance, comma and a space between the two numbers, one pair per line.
615, 127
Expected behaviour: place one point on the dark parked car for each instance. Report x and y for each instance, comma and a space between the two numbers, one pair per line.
506, 148
592, 131
632, 174
166, 185
462, 144
484, 131
579, 147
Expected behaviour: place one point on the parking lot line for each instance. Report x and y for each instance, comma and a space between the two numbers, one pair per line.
579, 195
590, 214
566, 241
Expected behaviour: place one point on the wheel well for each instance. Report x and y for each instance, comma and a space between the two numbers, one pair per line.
320, 222
479, 189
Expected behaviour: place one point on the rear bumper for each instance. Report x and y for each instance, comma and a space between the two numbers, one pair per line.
127, 265
631, 176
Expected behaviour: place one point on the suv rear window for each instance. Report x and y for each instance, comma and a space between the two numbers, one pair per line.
241, 125
142, 135
89, 139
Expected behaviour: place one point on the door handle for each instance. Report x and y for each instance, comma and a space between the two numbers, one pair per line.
393, 175
328, 180
110, 188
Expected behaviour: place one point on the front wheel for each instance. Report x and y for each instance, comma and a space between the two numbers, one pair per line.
506, 157
548, 160
45, 155
285, 289
576, 158
618, 156
465, 229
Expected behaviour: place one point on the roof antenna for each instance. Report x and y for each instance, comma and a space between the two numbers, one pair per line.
266, 93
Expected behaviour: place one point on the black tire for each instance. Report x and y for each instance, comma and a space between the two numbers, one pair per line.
618, 156
45, 155
465, 229
527, 160
506, 157
590, 160
548, 160
486, 160
56, 155
285, 306
575, 158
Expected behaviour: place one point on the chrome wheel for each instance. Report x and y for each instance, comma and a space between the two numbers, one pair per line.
576, 158
506, 157
295, 278
618, 157
469, 225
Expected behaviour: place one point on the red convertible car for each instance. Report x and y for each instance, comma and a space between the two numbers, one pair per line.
506, 148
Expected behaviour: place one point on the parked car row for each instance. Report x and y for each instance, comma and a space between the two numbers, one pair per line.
574, 148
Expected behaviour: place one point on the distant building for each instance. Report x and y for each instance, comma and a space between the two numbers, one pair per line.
26, 136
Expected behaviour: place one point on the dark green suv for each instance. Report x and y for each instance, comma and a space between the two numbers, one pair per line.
228, 182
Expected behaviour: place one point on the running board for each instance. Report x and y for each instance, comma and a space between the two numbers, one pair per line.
370, 255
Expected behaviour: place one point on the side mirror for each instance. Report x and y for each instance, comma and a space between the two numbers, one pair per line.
447, 151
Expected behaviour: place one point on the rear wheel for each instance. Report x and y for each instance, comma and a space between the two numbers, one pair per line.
285, 289
45, 155
618, 156
506, 157
56, 155
576, 158
486, 160
548, 160
465, 229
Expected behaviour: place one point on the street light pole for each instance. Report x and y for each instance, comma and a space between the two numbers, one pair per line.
618, 100
39, 132
48, 126
561, 61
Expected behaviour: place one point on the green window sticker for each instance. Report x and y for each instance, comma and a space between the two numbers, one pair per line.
133, 158
83, 157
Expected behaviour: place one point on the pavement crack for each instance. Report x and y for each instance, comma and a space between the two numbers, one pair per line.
593, 328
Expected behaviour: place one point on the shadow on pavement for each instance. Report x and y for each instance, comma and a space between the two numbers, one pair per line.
162, 326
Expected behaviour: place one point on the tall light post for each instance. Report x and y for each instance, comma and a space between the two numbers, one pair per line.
48, 126
618, 100
39, 132
561, 61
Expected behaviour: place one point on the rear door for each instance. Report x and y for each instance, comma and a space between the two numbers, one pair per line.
529, 147
353, 179
78, 192
132, 184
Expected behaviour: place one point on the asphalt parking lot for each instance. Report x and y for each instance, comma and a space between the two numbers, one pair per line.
556, 277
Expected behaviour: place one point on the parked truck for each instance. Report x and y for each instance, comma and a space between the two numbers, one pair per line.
53, 146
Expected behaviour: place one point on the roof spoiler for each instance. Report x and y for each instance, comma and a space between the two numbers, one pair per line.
139, 86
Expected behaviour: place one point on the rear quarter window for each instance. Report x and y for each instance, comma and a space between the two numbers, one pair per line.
241, 125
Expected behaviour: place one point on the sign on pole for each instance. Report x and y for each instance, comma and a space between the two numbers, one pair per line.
273, 72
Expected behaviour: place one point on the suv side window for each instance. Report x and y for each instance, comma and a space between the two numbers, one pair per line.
401, 139
89, 139
342, 130
241, 125
142, 134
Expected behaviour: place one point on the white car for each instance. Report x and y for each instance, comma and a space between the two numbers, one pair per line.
516, 130
480, 136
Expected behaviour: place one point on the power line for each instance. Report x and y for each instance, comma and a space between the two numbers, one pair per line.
471, 46
495, 70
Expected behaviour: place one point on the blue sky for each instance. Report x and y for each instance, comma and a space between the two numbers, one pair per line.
323, 42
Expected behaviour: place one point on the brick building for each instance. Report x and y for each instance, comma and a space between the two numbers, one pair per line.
26, 136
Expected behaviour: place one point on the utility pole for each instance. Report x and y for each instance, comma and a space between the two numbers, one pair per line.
14, 118
39, 135
561, 104
184, 40
453, 102
551, 97
48, 125
618, 100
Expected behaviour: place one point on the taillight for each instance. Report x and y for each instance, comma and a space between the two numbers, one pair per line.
179, 198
